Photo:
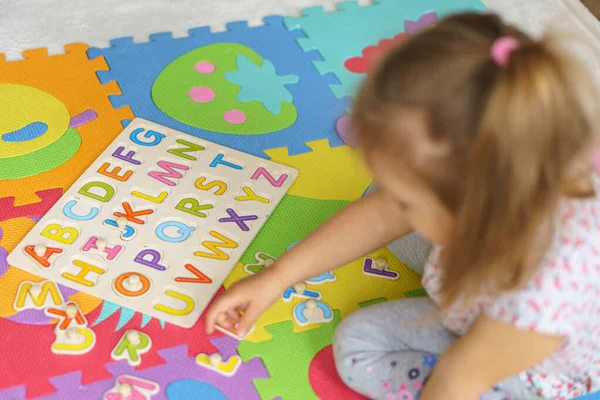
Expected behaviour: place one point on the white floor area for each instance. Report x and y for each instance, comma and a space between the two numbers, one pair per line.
52, 23
26, 24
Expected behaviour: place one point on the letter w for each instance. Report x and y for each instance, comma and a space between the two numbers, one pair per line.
215, 247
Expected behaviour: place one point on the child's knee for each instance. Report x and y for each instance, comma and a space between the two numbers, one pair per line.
348, 362
346, 348
352, 357
340, 347
355, 337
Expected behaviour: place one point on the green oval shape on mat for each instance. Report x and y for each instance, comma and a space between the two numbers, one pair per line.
193, 89
41, 160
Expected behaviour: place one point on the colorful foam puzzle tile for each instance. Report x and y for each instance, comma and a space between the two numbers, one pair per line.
206, 85
25, 344
176, 238
357, 27
327, 173
288, 370
56, 119
178, 377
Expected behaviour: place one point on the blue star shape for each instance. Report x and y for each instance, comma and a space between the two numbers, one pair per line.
429, 360
261, 83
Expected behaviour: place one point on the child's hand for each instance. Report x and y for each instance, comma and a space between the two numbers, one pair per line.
252, 296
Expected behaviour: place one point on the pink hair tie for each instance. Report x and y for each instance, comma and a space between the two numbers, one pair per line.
503, 48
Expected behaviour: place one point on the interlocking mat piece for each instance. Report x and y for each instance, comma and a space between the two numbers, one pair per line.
288, 371
28, 364
323, 166
251, 89
55, 120
179, 377
357, 27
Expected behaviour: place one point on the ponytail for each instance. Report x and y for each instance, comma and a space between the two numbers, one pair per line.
533, 128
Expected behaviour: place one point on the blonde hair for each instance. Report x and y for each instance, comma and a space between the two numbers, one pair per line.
501, 140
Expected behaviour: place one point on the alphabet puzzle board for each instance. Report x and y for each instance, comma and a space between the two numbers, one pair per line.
156, 223
309, 65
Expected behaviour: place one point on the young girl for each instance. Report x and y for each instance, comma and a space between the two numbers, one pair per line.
479, 138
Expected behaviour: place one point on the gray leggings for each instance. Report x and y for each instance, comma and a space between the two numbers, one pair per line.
388, 350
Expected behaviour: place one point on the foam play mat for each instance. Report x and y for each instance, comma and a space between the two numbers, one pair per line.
281, 92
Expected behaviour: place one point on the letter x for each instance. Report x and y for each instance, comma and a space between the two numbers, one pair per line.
239, 219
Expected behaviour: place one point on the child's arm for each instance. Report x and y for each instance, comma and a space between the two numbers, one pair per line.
488, 354
362, 227
358, 229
